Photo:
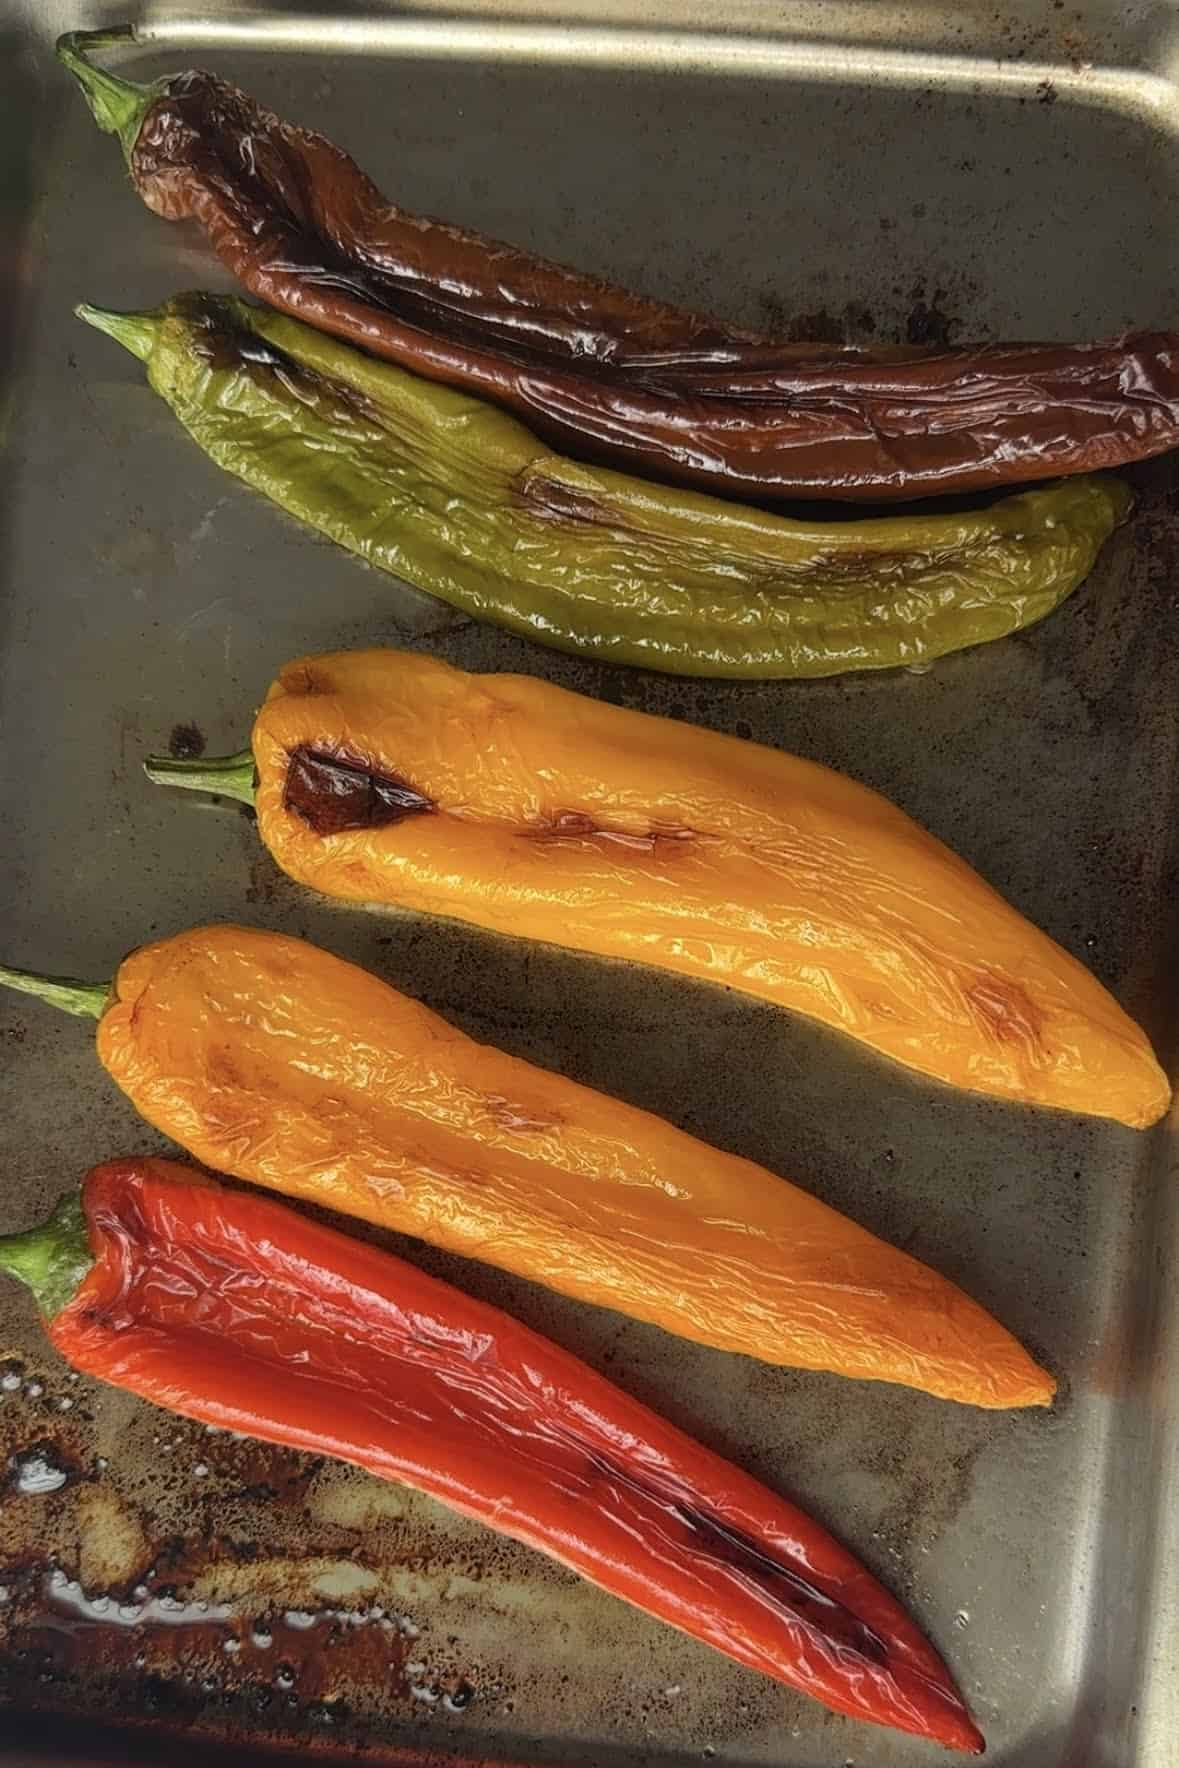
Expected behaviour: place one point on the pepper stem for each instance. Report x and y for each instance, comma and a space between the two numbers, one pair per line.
119, 106
87, 999
230, 776
51, 1259
137, 332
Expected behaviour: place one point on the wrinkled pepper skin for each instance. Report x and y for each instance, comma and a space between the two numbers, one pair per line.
461, 501
232, 1310
606, 374
271, 1060
547, 815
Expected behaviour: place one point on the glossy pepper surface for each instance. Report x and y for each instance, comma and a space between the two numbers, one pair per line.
460, 500
271, 1060
600, 371
235, 1311
391, 777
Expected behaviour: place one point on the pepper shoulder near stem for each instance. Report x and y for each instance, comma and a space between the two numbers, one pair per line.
118, 106
51, 1259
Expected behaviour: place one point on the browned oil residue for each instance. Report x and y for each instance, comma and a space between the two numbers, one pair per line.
574, 826
853, 324
926, 1498
186, 742
41, 1468
247, 1468
334, 792
182, 1655
928, 324
265, 878
192, 1631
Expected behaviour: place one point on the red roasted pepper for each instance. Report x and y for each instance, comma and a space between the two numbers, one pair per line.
235, 1310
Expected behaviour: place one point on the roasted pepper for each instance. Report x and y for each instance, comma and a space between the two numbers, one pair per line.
268, 1059
599, 370
461, 501
388, 777
235, 1311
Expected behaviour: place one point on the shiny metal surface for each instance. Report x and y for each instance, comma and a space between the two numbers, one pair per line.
845, 170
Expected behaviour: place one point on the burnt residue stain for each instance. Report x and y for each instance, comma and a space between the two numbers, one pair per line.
186, 742
250, 1469
41, 1469
266, 880
162, 1647
926, 1497
194, 1663
334, 792
1046, 92
819, 327
853, 323
304, 1604
927, 324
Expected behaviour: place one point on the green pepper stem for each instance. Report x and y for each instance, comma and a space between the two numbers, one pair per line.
137, 332
88, 1000
119, 106
230, 776
51, 1259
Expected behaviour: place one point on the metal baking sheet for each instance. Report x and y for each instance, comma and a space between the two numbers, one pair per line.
844, 171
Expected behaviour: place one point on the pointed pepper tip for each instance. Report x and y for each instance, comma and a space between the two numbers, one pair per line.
136, 332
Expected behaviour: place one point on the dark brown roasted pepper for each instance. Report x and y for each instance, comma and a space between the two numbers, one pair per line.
607, 374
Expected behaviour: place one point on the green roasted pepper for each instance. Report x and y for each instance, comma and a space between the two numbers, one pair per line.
459, 499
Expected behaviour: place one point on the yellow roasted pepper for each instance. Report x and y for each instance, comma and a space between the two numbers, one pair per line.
386, 777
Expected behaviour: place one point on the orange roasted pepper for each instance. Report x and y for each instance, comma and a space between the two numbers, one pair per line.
271, 1060
393, 778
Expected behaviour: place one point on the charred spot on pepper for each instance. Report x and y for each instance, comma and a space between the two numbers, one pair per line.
720, 1541
303, 680
512, 1116
573, 827
798, 1593
334, 792
201, 126
230, 346
552, 501
222, 1070
1005, 1009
